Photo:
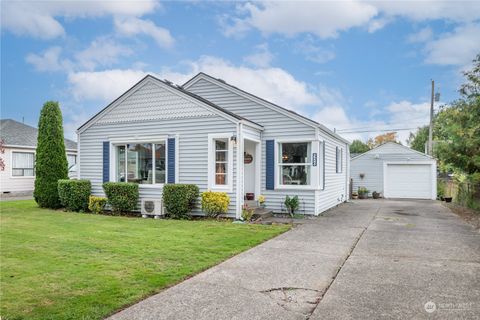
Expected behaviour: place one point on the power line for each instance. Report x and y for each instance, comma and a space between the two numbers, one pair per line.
370, 127
379, 130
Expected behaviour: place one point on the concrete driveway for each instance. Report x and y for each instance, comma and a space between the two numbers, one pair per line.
363, 260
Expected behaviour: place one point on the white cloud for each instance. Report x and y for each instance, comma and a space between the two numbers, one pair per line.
49, 60
327, 20
455, 48
39, 18
102, 85
134, 26
422, 35
318, 17
274, 84
313, 52
261, 58
397, 116
456, 11
102, 51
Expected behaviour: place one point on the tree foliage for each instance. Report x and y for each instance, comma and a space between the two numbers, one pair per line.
358, 146
471, 88
417, 140
457, 136
457, 128
51, 161
381, 139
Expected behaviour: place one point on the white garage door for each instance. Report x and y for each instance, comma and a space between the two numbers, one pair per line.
408, 181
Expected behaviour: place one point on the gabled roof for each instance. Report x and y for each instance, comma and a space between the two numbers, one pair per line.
248, 95
391, 143
15, 133
178, 89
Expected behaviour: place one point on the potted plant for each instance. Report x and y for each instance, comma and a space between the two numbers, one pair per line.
354, 195
375, 195
261, 201
448, 193
292, 204
362, 193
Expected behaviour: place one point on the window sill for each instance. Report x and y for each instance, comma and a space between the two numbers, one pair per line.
151, 186
295, 187
227, 188
22, 177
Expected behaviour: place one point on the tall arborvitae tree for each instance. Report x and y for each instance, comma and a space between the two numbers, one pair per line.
51, 161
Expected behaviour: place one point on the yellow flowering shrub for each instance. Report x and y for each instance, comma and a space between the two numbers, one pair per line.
215, 203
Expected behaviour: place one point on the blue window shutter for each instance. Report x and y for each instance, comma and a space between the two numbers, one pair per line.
171, 160
323, 151
106, 161
270, 165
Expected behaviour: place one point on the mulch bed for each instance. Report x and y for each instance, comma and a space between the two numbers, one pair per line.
469, 215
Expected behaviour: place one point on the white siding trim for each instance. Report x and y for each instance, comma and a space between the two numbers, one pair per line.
240, 169
78, 156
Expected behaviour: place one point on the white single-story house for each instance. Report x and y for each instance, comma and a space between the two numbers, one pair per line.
395, 171
218, 137
20, 143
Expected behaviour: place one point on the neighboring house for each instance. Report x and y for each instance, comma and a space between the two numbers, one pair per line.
218, 137
20, 141
395, 171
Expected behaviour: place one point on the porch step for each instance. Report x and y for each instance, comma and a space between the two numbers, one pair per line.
251, 203
262, 213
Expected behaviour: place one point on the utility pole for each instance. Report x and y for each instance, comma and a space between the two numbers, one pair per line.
430, 130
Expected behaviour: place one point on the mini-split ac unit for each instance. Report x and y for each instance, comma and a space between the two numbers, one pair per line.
152, 207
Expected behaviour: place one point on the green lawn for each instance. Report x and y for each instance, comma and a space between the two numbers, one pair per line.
62, 265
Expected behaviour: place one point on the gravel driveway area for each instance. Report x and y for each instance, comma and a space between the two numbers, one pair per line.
367, 259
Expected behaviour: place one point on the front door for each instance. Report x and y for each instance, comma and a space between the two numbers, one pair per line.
251, 163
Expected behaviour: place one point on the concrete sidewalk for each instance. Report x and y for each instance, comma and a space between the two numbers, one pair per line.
368, 259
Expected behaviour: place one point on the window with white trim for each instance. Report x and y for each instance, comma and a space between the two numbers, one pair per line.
23, 164
339, 159
72, 160
294, 161
142, 163
220, 162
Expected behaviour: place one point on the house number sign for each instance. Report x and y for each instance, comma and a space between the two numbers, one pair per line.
314, 159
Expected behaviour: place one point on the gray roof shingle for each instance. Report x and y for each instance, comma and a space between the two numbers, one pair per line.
20, 134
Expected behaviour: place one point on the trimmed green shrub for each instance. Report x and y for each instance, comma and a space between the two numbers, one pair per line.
121, 196
215, 203
50, 161
179, 199
74, 194
96, 204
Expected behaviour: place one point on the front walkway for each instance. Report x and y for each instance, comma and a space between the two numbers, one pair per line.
363, 260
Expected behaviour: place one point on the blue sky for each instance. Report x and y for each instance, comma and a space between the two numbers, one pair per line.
346, 64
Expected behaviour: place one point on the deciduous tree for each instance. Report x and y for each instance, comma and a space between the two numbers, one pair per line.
358, 146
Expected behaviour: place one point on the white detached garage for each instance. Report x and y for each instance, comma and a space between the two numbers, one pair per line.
395, 171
